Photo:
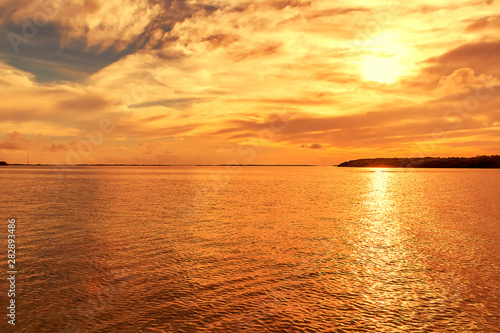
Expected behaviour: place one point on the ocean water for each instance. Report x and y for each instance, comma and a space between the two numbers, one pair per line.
253, 249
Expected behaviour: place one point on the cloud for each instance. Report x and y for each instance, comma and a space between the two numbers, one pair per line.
488, 22
462, 80
315, 146
394, 126
57, 147
480, 57
100, 23
10, 76
58, 105
178, 103
71, 39
15, 141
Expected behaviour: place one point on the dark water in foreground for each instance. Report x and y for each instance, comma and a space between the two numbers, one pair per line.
164, 249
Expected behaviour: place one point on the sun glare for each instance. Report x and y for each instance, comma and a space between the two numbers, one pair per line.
380, 69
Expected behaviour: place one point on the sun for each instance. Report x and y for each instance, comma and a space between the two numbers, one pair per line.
381, 69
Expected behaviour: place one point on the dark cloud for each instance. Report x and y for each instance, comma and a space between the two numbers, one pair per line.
313, 146
153, 118
52, 56
176, 103
431, 8
488, 22
48, 59
264, 49
220, 40
481, 57
282, 4
336, 11
173, 11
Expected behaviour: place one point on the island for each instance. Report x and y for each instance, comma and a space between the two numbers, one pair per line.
484, 161
3, 163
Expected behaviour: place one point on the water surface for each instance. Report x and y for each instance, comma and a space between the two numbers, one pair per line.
204, 249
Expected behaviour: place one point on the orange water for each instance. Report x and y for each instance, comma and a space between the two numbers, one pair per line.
207, 249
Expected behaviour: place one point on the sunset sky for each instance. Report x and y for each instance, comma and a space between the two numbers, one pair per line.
252, 82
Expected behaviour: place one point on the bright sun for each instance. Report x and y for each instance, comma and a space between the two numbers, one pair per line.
381, 69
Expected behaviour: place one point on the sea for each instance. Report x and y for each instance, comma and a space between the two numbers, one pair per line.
251, 249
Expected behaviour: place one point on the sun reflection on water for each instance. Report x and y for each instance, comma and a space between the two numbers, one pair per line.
382, 249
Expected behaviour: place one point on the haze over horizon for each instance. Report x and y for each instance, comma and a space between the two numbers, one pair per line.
248, 82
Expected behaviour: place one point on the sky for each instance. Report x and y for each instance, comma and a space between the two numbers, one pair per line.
247, 82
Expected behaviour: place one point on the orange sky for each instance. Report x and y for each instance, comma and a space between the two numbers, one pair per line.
266, 81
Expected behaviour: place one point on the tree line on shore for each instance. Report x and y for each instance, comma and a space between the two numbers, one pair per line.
483, 161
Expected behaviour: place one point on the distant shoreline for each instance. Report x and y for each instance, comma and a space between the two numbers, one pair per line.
163, 165
478, 162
